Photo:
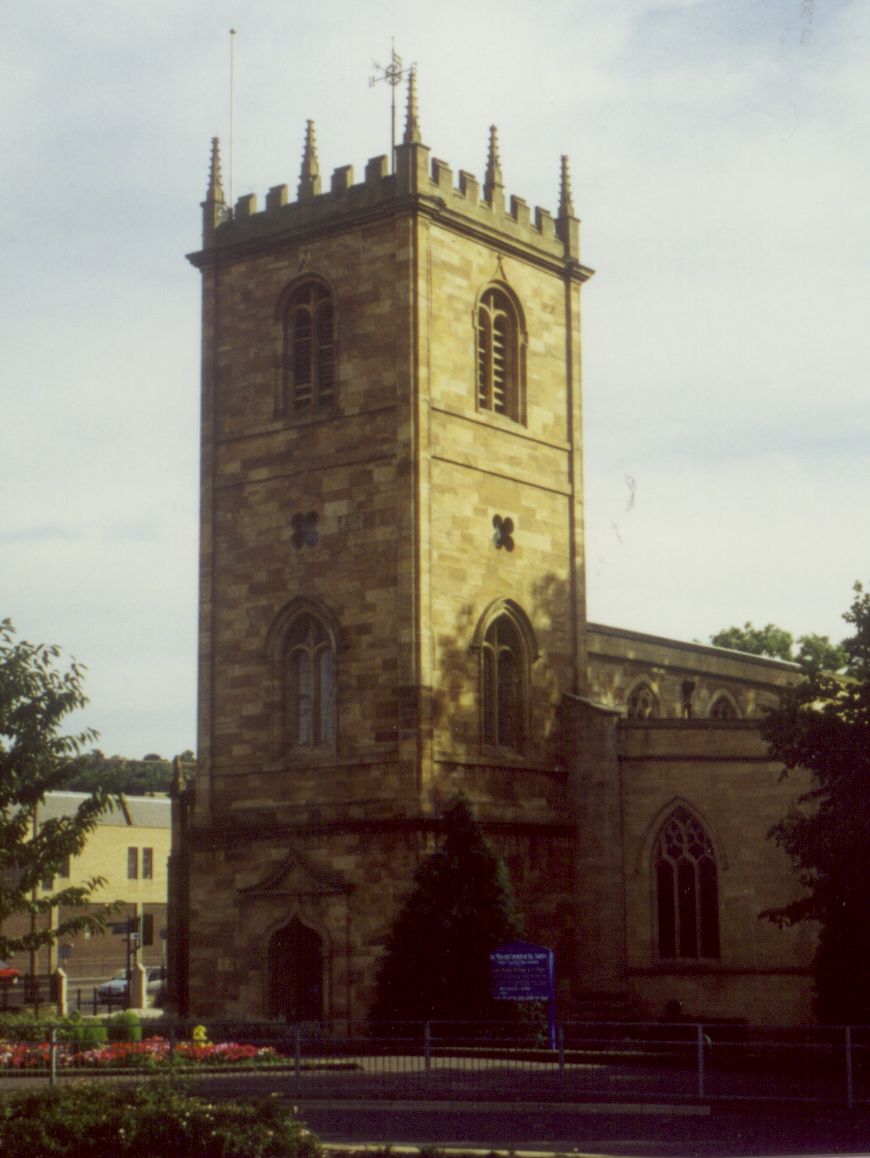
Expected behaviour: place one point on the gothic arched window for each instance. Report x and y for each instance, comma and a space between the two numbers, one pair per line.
500, 356
310, 684
723, 708
687, 889
309, 346
642, 703
503, 685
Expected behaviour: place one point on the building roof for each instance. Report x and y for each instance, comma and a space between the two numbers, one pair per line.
638, 644
132, 812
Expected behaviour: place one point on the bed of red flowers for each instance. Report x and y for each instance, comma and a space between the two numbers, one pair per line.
154, 1052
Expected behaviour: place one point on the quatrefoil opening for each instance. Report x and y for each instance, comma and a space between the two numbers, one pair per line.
504, 530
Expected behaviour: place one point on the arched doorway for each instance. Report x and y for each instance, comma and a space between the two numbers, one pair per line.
296, 973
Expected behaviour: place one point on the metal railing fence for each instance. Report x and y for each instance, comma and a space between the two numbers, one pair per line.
38, 992
592, 1061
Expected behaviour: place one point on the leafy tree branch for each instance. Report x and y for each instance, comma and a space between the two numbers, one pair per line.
823, 725
36, 757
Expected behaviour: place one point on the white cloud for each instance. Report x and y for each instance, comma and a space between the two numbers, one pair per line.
719, 167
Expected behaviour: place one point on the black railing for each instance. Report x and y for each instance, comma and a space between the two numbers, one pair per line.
600, 1062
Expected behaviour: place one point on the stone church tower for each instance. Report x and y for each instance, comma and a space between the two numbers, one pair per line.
392, 610
392, 586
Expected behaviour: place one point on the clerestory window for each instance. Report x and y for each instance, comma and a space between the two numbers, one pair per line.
687, 890
309, 347
500, 356
723, 708
642, 703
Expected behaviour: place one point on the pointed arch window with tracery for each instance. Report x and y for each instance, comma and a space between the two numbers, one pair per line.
687, 888
500, 355
723, 708
642, 703
504, 685
309, 347
310, 684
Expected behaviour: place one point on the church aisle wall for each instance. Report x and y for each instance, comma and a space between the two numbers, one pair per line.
720, 775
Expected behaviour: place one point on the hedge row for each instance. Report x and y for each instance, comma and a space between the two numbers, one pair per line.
95, 1119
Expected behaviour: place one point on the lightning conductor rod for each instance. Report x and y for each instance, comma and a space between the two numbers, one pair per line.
393, 74
232, 109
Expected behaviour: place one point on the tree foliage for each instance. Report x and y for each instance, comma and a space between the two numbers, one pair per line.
118, 774
436, 964
823, 725
817, 652
768, 640
813, 651
36, 758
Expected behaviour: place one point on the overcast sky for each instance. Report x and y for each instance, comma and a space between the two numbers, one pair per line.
720, 165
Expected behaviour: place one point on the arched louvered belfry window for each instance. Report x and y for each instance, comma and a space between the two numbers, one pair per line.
503, 686
687, 888
500, 355
309, 347
310, 684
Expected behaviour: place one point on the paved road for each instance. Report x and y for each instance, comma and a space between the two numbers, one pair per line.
627, 1130
490, 1080
585, 1126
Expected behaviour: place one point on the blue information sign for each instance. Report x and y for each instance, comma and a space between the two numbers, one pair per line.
523, 972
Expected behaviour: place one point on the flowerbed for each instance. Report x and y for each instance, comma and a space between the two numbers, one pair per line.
152, 1053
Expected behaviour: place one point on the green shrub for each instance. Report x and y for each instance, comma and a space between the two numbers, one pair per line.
125, 1026
22, 1026
26, 1026
93, 1119
92, 1031
75, 1029
67, 1028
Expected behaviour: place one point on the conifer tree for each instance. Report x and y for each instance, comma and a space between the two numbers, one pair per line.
36, 758
436, 965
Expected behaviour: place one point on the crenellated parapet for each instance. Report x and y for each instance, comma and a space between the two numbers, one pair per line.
420, 182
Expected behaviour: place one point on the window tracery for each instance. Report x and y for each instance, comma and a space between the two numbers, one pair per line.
687, 891
501, 658
642, 703
723, 708
310, 682
505, 642
309, 347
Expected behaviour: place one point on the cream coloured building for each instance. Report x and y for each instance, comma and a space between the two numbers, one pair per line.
129, 848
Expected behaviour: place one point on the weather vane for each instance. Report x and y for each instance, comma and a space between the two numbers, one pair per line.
393, 74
